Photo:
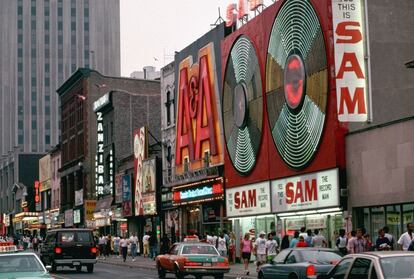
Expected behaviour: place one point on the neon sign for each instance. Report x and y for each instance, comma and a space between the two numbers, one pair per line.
99, 158
198, 120
205, 191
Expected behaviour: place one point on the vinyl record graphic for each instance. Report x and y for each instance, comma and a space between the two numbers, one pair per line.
242, 105
296, 82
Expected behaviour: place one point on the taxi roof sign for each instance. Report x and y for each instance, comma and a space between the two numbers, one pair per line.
7, 248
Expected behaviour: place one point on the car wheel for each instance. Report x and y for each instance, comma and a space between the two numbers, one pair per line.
178, 274
89, 267
161, 272
219, 276
78, 268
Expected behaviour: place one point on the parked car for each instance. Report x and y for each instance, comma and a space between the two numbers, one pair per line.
14, 264
69, 247
374, 265
192, 258
298, 263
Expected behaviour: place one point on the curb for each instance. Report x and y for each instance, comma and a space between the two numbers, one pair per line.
152, 267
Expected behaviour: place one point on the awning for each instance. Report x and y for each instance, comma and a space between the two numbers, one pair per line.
103, 204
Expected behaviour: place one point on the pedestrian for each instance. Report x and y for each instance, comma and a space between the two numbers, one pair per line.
153, 242
35, 243
406, 238
285, 242
210, 239
303, 232
295, 240
271, 248
102, 246
301, 243
319, 240
133, 240
357, 244
123, 243
369, 245
260, 250
342, 242
108, 248
165, 245
246, 248
221, 245
145, 243
232, 248
214, 239
382, 243
117, 239
309, 238
389, 236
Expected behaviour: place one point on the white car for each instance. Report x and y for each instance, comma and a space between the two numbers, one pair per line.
374, 265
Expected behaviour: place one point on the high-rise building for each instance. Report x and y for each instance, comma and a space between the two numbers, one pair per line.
42, 43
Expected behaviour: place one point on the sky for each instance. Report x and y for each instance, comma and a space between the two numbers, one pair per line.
151, 31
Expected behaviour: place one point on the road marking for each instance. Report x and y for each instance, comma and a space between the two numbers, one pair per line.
58, 276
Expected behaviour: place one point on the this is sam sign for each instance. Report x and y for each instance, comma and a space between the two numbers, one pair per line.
350, 73
312, 191
252, 199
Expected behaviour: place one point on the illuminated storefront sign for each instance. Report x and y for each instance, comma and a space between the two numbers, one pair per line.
99, 158
37, 196
101, 102
252, 199
140, 152
351, 77
199, 135
126, 196
311, 191
89, 209
76, 216
109, 188
199, 193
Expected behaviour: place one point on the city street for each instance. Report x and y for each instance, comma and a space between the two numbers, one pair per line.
104, 271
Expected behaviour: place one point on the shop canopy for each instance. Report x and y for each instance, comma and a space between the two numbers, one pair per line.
103, 204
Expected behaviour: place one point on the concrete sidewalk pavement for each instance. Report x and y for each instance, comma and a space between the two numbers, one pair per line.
236, 270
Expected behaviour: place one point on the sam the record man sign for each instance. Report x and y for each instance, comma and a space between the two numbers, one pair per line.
252, 199
140, 152
350, 64
311, 191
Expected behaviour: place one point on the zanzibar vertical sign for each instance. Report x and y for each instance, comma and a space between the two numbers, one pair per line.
140, 152
99, 158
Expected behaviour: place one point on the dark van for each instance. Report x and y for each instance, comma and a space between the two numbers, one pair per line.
69, 247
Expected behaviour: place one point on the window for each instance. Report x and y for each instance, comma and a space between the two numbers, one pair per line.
293, 258
66, 237
280, 258
84, 237
20, 38
360, 269
341, 269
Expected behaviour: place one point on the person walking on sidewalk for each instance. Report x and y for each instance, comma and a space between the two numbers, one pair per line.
271, 248
318, 240
123, 244
108, 249
153, 242
221, 245
102, 246
165, 245
342, 242
246, 247
389, 236
117, 239
134, 243
406, 238
260, 250
145, 243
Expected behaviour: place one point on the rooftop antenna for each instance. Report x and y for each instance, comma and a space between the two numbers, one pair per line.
219, 20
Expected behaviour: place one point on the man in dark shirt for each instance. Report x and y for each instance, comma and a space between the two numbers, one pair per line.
382, 243
153, 245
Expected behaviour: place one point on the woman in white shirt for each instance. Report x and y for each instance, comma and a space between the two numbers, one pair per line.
221, 245
123, 243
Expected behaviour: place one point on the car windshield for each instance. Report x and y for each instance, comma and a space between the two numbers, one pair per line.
320, 256
398, 267
199, 250
20, 263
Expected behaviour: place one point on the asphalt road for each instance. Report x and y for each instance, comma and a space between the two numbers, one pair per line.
105, 271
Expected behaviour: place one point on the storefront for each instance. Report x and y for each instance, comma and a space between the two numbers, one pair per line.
27, 222
249, 209
201, 206
310, 201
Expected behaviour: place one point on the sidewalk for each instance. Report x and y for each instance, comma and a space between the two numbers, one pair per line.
236, 271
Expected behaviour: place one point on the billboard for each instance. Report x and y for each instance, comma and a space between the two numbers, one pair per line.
118, 188
247, 200
149, 187
126, 196
350, 62
199, 132
140, 153
45, 173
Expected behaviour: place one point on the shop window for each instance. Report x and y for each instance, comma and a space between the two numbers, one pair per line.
393, 220
377, 219
360, 269
408, 210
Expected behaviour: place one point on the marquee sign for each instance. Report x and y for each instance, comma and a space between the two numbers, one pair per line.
140, 152
311, 191
351, 77
251, 199
198, 130
149, 187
